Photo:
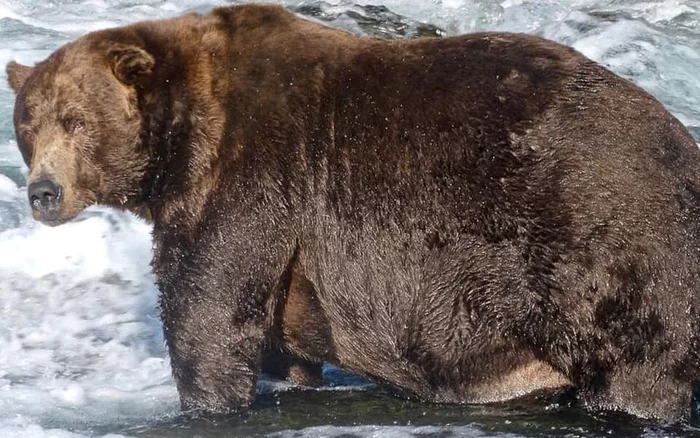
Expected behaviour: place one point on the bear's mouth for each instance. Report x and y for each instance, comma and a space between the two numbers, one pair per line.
53, 218
56, 209
54, 222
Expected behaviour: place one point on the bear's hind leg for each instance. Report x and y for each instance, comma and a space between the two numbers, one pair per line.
284, 366
642, 391
300, 339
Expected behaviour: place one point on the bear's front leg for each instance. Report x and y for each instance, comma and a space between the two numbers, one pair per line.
213, 306
214, 347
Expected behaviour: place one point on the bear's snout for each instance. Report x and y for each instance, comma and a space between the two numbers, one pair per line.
45, 198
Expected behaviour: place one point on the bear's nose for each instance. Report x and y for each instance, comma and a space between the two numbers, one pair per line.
44, 194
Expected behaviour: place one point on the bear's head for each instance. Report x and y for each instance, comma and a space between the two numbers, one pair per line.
78, 126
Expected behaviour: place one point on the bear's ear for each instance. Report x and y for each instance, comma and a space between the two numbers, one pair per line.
131, 64
17, 74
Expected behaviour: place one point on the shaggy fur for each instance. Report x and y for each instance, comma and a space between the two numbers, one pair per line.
466, 219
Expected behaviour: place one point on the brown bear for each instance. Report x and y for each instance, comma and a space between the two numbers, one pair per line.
466, 219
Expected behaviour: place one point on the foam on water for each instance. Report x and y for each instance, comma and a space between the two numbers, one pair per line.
384, 432
81, 347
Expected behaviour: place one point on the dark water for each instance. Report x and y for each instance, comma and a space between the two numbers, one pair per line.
376, 413
351, 407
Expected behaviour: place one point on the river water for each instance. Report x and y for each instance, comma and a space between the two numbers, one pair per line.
81, 349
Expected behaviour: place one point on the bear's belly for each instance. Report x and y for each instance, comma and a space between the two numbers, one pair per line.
404, 321
486, 383
528, 378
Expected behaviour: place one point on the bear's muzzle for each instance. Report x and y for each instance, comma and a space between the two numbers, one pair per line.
45, 199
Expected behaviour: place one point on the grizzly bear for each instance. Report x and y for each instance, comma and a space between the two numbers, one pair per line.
465, 220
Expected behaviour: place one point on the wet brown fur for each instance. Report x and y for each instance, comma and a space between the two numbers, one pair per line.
465, 219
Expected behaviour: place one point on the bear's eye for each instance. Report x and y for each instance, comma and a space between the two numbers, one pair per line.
74, 125
27, 136
27, 146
